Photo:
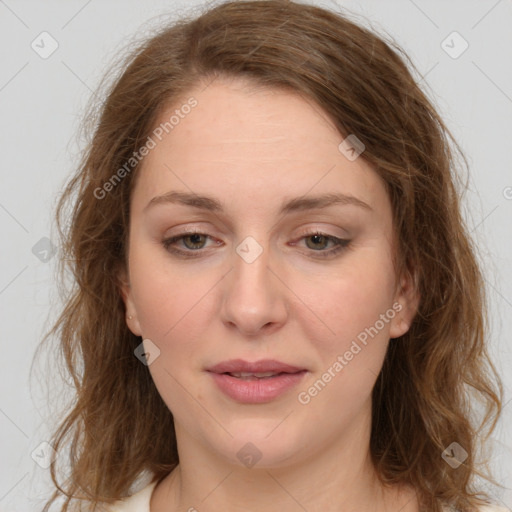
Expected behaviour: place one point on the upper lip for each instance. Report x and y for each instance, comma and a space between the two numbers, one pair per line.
264, 365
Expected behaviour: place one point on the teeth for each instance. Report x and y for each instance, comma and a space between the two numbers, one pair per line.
245, 375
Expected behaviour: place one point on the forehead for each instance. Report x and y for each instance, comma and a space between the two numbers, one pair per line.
259, 143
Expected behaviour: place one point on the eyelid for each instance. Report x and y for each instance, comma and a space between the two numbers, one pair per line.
317, 230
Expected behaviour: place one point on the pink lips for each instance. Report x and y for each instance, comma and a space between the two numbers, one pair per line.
259, 390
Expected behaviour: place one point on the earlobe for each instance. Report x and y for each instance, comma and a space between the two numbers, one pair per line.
398, 327
133, 324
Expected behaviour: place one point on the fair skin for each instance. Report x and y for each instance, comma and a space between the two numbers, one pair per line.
253, 150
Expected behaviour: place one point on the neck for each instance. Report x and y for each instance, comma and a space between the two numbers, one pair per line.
340, 477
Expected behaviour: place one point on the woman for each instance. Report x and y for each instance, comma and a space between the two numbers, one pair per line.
278, 306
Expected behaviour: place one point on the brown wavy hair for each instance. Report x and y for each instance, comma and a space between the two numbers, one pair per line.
118, 427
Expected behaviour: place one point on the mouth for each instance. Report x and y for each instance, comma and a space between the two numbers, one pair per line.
258, 376
263, 368
257, 382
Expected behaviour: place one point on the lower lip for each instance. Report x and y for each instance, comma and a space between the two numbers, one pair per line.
257, 391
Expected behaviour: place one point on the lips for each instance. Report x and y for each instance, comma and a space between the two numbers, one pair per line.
257, 382
264, 366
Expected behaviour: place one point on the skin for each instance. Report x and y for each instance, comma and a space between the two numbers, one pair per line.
252, 149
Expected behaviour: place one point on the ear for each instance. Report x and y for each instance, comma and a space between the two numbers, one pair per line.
132, 320
406, 303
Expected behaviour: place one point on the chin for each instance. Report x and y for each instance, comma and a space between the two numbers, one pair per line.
262, 447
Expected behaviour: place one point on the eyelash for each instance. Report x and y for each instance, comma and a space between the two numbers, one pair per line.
340, 244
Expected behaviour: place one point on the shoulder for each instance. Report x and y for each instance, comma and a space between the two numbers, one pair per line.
138, 502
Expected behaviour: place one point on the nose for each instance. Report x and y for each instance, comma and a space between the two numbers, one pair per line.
254, 296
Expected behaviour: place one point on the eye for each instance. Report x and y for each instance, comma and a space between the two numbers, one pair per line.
195, 239
320, 240
192, 241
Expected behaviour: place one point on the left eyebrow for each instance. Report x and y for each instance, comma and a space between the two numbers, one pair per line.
296, 204
322, 201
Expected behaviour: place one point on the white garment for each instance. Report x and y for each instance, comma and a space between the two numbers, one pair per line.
139, 502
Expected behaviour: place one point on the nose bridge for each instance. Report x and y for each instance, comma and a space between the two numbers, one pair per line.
251, 276
251, 262
252, 295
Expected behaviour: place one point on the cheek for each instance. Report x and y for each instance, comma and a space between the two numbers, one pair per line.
349, 301
350, 334
175, 309
167, 297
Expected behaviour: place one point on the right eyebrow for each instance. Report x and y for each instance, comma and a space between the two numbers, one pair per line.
186, 199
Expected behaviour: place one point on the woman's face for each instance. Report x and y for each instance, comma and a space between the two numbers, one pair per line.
250, 172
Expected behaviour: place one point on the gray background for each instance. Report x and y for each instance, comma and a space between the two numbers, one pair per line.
41, 103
